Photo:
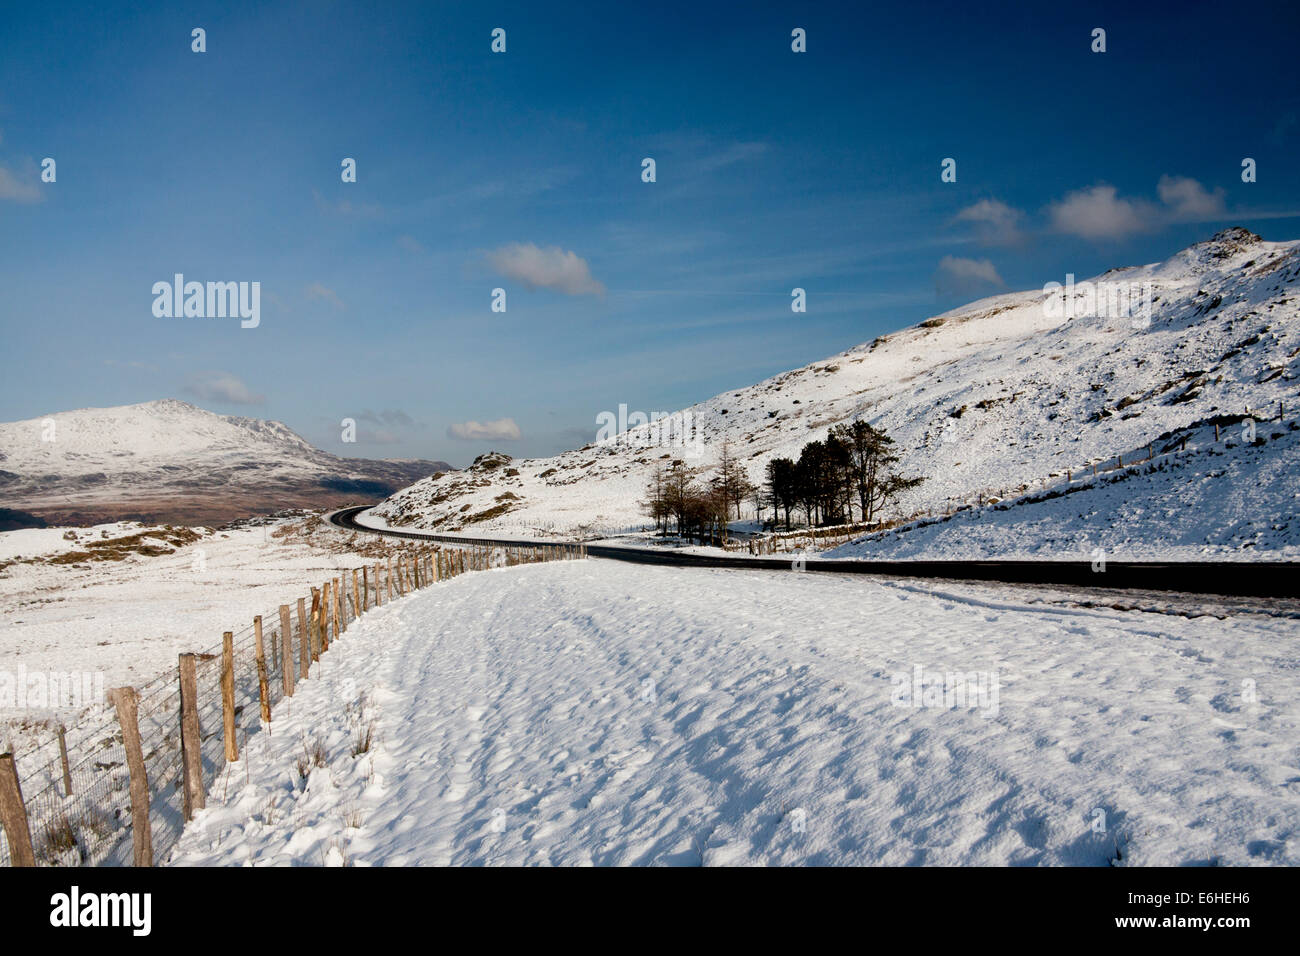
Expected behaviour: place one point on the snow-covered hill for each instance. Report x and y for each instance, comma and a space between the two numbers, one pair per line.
1196, 499
987, 397
172, 461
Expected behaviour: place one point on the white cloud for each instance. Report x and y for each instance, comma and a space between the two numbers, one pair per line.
998, 221
222, 387
958, 276
1099, 213
24, 189
1188, 200
549, 268
503, 429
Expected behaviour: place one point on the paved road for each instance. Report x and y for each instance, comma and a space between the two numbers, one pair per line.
1236, 578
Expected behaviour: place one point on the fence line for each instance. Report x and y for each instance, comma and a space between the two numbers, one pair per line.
86, 790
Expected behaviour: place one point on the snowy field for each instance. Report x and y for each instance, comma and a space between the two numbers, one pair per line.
600, 713
129, 618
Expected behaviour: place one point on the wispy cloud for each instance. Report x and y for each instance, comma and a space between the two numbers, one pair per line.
316, 291
728, 156
389, 416
136, 365
346, 207
549, 268
222, 387
21, 187
503, 429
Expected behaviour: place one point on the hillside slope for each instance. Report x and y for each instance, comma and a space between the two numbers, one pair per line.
172, 461
986, 397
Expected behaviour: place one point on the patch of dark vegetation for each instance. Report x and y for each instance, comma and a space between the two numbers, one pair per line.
357, 486
148, 544
11, 519
489, 514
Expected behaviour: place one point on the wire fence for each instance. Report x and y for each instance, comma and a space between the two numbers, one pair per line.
75, 782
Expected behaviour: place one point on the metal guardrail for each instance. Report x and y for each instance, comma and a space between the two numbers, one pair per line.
1228, 578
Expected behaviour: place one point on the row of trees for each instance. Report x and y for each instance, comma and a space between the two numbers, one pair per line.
853, 467
698, 508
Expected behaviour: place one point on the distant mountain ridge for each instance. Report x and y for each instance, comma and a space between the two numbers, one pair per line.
171, 461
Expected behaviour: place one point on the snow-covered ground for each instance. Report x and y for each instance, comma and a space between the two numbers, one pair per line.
600, 713
128, 619
1224, 502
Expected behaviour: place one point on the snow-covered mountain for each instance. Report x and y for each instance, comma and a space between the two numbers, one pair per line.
988, 397
171, 461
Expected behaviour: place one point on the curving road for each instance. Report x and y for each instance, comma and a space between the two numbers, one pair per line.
1234, 579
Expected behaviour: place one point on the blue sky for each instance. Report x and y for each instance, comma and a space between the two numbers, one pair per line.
522, 170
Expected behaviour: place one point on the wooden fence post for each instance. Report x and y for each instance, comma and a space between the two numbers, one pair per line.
127, 703
365, 581
334, 609
356, 596
263, 691
304, 640
339, 608
191, 755
286, 649
390, 577
326, 613
228, 696
63, 759
13, 815
313, 619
